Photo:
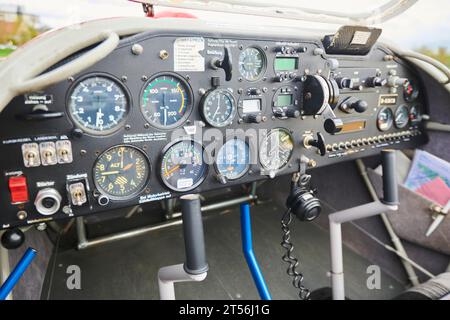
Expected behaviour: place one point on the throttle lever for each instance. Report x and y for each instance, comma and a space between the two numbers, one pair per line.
226, 64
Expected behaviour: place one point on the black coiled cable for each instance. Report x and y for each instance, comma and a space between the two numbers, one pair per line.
297, 277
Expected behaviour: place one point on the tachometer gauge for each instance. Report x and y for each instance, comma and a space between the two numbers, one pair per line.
401, 117
385, 119
276, 149
218, 108
183, 166
233, 159
121, 172
252, 63
98, 104
166, 101
410, 91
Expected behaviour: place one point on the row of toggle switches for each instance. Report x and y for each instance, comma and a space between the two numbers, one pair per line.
346, 145
47, 153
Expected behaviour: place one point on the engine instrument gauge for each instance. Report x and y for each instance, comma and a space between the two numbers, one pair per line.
410, 91
183, 166
98, 105
401, 117
218, 107
233, 159
121, 172
385, 119
276, 149
252, 63
166, 101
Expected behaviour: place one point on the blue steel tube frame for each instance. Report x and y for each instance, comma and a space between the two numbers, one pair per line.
17, 273
247, 247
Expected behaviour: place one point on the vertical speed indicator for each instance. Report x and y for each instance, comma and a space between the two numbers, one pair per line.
166, 101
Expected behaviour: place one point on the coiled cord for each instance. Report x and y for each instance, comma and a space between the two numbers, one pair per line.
297, 277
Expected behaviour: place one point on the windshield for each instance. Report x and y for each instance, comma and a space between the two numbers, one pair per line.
424, 27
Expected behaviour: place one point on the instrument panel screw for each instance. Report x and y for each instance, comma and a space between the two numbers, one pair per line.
188, 77
240, 90
240, 79
41, 227
241, 47
163, 54
201, 91
83, 152
146, 126
127, 127
264, 119
124, 78
144, 78
67, 210
266, 48
264, 89
70, 79
137, 49
22, 215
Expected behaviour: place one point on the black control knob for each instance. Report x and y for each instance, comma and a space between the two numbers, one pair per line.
226, 64
344, 83
319, 144
333, 126
373, 82
359, 106
13, 238
253, 118
77, 133
292, 113
254, 92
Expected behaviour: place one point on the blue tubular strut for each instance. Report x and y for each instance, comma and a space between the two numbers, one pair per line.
17, 273
247, 247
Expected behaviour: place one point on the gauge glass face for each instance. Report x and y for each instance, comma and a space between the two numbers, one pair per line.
233, 159
252, 63
219, 108
410, 91
98, 105
276, 149
385, 119
166, 101
401, 117
121, 172
414, 114
183, 167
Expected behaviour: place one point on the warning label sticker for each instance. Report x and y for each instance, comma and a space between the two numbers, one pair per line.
187, 56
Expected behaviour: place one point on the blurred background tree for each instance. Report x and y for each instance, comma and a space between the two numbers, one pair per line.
441, 54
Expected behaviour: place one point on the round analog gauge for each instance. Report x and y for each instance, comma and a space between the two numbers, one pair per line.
401, 117
233, 159
121, 172
410, 91
218, 108
98, 105
414, 114
385, 119
276, 149
252, 63
183, 166
166, 101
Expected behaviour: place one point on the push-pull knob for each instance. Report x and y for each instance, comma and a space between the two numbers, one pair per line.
319, 143
333, 126
253, 118
226, 64
374, 82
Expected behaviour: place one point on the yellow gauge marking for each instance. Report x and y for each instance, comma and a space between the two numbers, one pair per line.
182, 99
168, 173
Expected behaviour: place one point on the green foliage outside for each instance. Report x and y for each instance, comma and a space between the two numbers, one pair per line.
442, 54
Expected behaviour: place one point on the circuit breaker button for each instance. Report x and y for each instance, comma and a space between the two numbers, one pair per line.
18, 189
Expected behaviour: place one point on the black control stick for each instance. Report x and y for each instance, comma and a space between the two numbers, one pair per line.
390, 188
194, 240
319, 144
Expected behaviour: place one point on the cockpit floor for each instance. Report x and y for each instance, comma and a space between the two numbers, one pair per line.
127, 269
